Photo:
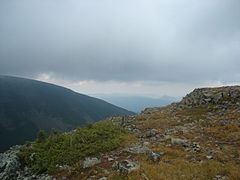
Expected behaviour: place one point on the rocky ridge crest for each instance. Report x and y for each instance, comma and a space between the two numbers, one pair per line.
222, 95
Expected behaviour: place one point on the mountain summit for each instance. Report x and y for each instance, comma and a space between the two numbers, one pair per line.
29, 105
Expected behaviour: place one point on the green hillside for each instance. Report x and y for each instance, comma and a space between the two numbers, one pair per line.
28, 105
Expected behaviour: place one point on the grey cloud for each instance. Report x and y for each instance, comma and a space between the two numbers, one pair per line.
166, 40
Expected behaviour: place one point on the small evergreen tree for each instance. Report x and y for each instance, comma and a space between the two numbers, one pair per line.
54, 132
41, 136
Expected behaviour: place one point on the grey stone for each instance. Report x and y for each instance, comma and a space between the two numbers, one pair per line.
224, 95
220, 177
9, 164
144, 176
121, 120
138, 149
196, 147
193, 147
106, 171
89, 162
150, 133
150, 110
178, 141
103, 178
146, 143
127, 166
11, 168
209, 157
110, 159
155, 156
64, 167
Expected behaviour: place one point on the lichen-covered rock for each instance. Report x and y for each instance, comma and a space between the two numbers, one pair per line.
12, 169
178, 141
126, 166
138, 149
150, 133
150, 110
193, 147
9, 164
89, 162
155, 156
121, 120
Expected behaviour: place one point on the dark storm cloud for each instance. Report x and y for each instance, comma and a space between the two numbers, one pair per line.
157, 40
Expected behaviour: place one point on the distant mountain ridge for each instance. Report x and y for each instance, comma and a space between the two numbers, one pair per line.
136, 103
29, 105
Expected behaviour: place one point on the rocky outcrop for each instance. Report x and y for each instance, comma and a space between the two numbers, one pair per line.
221, 95
125, 122
150, 110
12, 169
121, 120
9, 164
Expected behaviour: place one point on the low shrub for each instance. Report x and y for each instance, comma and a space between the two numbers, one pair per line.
48, 154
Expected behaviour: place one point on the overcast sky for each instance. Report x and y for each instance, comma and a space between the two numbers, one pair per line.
151, 47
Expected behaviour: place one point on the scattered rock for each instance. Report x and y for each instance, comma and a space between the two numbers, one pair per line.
138, 149
103, 178
11, 168
224, 95
155, 156
121, 120
193, 147
220, 177
209, 157
150, 110
127, 166
150, 133
106, 172
64, 167
132, 128
110, 159
178, 141
144, 176
9, 164
146, 143
196, 147
89, 162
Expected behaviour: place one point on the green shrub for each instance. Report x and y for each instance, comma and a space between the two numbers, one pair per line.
41, 136
69, 148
